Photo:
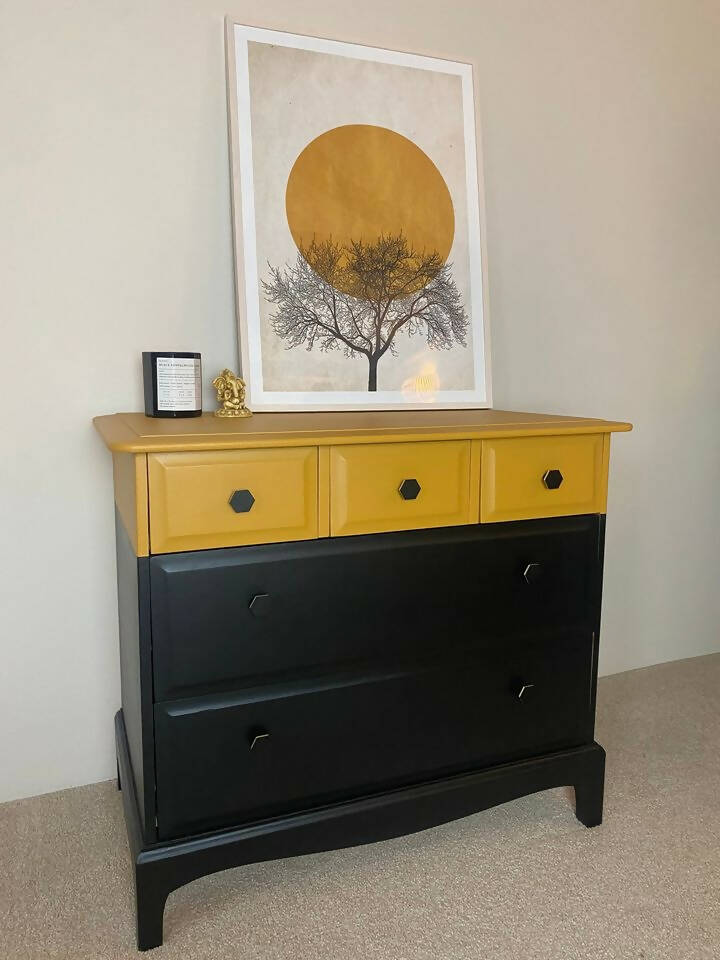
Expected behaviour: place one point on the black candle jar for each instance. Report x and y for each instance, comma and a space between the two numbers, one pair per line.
173, 384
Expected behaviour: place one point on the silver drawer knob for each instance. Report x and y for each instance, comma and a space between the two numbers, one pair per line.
257, 736
259, 606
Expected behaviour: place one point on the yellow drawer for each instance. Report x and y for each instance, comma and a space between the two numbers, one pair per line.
543, 477
371, 489
230, 498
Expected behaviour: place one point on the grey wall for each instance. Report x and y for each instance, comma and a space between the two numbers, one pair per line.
601, 146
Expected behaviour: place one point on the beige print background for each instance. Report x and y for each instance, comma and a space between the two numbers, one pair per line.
295, 95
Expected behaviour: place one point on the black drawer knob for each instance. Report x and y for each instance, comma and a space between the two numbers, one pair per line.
259, 606
526, 691
257, 736
533, 573
552, 479
242, 501
409, 489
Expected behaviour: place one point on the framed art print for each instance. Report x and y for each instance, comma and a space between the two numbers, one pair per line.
358, 255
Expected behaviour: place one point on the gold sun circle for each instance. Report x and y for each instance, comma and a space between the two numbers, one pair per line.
361, 182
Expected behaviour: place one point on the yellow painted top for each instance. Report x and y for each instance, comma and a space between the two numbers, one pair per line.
136, 433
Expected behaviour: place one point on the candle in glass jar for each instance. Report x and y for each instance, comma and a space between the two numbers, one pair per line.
172, 383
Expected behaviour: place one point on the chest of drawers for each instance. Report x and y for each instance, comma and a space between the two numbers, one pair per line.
336, 628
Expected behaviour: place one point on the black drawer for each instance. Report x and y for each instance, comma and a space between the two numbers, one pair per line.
228, 618
223, 760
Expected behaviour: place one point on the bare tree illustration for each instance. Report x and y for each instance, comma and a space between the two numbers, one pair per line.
357, 297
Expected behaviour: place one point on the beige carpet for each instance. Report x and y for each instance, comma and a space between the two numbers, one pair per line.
523, 881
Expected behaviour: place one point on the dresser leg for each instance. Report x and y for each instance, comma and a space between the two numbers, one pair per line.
590, 788
150, 899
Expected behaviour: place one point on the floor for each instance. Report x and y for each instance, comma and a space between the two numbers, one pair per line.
519, 882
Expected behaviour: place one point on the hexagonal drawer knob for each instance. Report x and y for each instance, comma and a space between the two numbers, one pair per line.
552, 479
241, 501
409, 489
532, 573
259, 606
256, 736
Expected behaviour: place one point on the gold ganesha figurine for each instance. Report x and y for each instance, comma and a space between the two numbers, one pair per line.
230, 395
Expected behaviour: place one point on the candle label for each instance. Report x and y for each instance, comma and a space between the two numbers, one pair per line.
179, 384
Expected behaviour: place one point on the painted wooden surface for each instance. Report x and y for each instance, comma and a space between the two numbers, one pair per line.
136, 433
516, 606
365, 483
337, 474
512, 485
190, 498
131, 498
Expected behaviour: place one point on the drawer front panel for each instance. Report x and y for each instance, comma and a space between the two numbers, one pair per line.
221, 762
232, 618
228, 498
378, 487
543, 477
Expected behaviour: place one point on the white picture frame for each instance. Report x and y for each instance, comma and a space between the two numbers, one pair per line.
254, 314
